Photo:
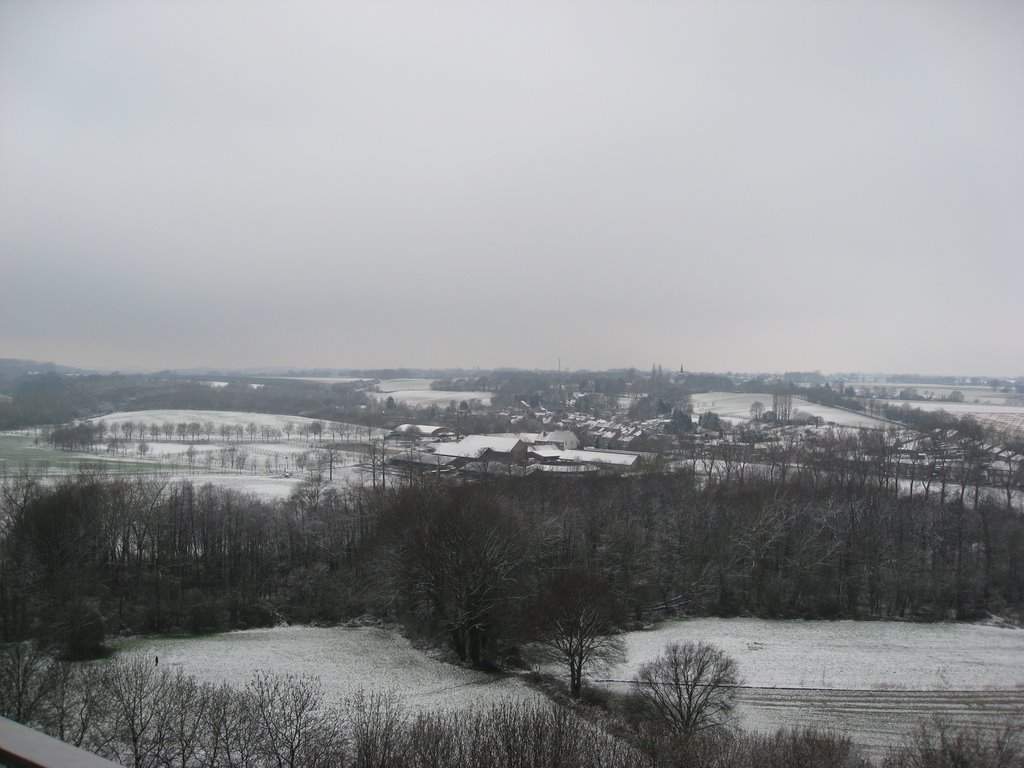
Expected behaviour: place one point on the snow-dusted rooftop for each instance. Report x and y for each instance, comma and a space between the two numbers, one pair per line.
563, 437
620, 459
420, 429
474, 446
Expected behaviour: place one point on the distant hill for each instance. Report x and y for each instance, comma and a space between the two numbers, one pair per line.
15, 367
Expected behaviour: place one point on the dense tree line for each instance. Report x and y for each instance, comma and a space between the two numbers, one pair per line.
151, 556
51, 398
472, 567
826, 395
493, 571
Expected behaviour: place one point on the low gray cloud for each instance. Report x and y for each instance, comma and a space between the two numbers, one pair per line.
728, 185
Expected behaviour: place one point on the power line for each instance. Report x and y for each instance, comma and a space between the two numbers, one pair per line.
895, 691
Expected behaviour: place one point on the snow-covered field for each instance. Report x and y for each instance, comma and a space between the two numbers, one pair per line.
849, 654
959, 409
838, 416
266, 488
420, 398
1004, 416
345, 660
230, 418
405, 385
269, 469
418, 394
872, 680
322, 379
972, 394
735, 407
415, 392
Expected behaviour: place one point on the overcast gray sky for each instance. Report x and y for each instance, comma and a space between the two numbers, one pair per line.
723, 185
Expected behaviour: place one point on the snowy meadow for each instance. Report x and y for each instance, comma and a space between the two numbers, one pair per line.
873, 681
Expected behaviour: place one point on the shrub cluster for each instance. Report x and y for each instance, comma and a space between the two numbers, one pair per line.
140, 714
135, 712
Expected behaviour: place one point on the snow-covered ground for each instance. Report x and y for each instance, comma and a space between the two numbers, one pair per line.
345, 660
418, 394
838, 416
1000, 416
873, 681
959, 409
323, 379
270, 469
405, 385
849, 654
266, 488
735, 407
422, 398
230, 418
972, 394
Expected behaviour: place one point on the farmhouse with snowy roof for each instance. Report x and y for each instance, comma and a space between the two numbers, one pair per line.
517, 453
561, 439
420, 430
485, 447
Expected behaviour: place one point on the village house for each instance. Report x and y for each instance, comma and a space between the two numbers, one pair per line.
484, 447
412, 431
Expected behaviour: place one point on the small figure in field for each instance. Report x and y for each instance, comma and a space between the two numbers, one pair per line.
156, 661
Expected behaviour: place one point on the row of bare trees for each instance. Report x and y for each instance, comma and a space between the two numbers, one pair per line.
676, 713
136, 713
85, 434
475, 566
959, 463
139, 714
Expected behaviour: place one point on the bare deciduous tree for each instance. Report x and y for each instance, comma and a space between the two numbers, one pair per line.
232, 732
76, 704
378, 729
25, 680
133, 725
577, 621
297, 728
688, 688
782, 405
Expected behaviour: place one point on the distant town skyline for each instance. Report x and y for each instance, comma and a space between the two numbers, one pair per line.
723, 186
